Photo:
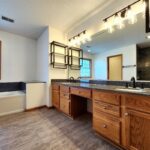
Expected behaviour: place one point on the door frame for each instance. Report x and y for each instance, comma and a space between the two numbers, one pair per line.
108, 64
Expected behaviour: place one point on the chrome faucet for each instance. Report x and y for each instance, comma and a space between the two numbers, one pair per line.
133, 82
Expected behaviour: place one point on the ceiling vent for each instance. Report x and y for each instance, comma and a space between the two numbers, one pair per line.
7, 19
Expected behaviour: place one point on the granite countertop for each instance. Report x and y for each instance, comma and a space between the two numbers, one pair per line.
118, 89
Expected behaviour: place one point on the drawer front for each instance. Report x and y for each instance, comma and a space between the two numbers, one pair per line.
64, 89
64, 95
107, 108
82, 92
55, 86
55, 98
137, 102
107, 128
111, 98
65, 106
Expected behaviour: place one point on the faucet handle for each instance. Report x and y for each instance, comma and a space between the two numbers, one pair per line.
142, 86
127, 85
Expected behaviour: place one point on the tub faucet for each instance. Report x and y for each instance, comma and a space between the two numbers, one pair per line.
133, 82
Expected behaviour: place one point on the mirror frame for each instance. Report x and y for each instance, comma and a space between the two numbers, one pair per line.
147, 20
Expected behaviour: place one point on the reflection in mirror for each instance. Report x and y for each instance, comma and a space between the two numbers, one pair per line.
127, 42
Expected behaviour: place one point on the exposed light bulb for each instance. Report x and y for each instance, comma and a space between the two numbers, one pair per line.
143, 7
88, 38
118, 21
106, 24
69, 43
110, 29
77, 40
82, 38
131, 16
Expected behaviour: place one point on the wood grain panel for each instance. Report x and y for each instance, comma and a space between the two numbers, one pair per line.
65, 106
107, 108
55, 86
138, 130
55, 98
64, 95
137, 102
64, 89
109, 129
111, 98
87, 93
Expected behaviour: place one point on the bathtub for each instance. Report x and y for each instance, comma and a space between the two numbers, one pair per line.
12, 102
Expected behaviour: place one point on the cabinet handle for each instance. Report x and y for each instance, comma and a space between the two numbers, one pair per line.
104, 126
126, 114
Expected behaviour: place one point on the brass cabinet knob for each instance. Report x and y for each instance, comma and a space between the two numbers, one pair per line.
104, 126
126, 114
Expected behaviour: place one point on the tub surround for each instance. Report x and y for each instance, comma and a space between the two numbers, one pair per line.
12, 86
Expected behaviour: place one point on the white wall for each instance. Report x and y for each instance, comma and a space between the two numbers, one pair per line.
129, 58
18, 58
42, 56
42, 72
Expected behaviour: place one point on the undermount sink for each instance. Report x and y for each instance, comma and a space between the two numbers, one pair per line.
131, 90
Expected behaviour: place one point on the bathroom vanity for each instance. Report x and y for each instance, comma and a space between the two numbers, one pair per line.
120, 116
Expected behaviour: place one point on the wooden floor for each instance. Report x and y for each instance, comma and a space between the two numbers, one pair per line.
47, 129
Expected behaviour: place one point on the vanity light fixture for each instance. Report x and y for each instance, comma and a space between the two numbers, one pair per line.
131, 16
108, 26
127, 13
79, 39
118, 21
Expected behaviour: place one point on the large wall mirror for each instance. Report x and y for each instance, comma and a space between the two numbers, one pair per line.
0, 58
147, 16
131, 43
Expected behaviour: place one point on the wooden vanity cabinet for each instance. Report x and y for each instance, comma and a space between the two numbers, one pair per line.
137, 121
124, 119
137, 130
65, 99
55, 95
106, 115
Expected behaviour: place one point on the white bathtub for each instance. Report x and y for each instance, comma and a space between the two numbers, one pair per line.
12, 102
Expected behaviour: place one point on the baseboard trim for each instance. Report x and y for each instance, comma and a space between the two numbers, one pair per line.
34, 108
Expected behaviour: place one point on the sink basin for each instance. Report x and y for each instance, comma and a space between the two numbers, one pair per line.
138, 90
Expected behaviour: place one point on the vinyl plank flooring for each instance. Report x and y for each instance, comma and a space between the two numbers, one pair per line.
48, 129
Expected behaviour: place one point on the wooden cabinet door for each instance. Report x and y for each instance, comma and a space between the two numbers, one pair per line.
138, 130
65, 105
55, 98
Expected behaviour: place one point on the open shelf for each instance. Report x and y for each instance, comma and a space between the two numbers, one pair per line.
55, 56
72, 58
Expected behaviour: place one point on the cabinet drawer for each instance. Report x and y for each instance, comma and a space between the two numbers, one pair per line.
64, 95
65, 105
107, 108
137, 102
64, 89
107, 128
81, 92
107, 97
55, 86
